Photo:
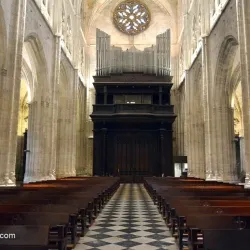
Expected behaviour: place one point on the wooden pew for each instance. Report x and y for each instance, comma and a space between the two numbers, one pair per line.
229, 239
30, 237
193, 224
54, 203
42, 219
172, 196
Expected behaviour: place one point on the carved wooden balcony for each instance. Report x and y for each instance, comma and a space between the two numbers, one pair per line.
132, 108
136, 112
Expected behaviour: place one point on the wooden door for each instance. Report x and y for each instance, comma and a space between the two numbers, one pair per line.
136, 154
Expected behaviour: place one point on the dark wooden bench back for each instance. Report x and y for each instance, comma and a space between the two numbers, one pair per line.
226, 239
24, 235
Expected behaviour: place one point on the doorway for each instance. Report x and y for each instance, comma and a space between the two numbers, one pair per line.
22, 132
136, 155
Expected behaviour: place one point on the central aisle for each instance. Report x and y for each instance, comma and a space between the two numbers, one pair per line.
129, 221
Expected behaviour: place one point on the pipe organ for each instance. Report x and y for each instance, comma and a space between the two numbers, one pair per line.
132, 114
153, 60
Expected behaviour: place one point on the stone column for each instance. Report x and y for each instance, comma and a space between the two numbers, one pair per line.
209, 165
182, 123
66, 144
81, 138
186, 56
197, 123
67, 134
10, 88
191, 127
226, 164
242, 154
200, 148
188, 124
243, 12
219, 127
39, 139
73, 127
51, 170
205, 100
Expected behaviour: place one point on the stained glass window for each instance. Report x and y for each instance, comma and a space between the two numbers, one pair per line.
131, 17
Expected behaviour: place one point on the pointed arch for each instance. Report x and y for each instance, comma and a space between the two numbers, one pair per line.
36, 55
224, 65
38, 162
27, 75
222, 113
235, 79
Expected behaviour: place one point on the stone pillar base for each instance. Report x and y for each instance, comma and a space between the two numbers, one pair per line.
28, 179
8, 181
232, 182
65, 175
7, 184
213, 178
247, 183
49, 178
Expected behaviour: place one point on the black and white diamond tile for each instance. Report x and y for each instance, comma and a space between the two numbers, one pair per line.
129, 221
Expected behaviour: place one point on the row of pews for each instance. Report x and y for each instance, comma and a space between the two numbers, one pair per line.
52, 214
200, 214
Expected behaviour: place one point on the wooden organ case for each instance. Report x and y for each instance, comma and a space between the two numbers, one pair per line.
132, 115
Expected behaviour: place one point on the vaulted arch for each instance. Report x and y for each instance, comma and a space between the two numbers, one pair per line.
224, 65
37, 62
234, 81
38, 165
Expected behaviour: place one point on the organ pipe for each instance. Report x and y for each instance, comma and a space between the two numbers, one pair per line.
113, 60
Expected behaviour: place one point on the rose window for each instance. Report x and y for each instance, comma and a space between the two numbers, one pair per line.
131, 17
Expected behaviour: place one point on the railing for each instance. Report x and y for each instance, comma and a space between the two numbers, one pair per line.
162, 71
132, 108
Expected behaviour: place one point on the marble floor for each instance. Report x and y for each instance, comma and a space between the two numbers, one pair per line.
129, 221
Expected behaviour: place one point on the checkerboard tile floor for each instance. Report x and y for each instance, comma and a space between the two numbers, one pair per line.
129, 221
